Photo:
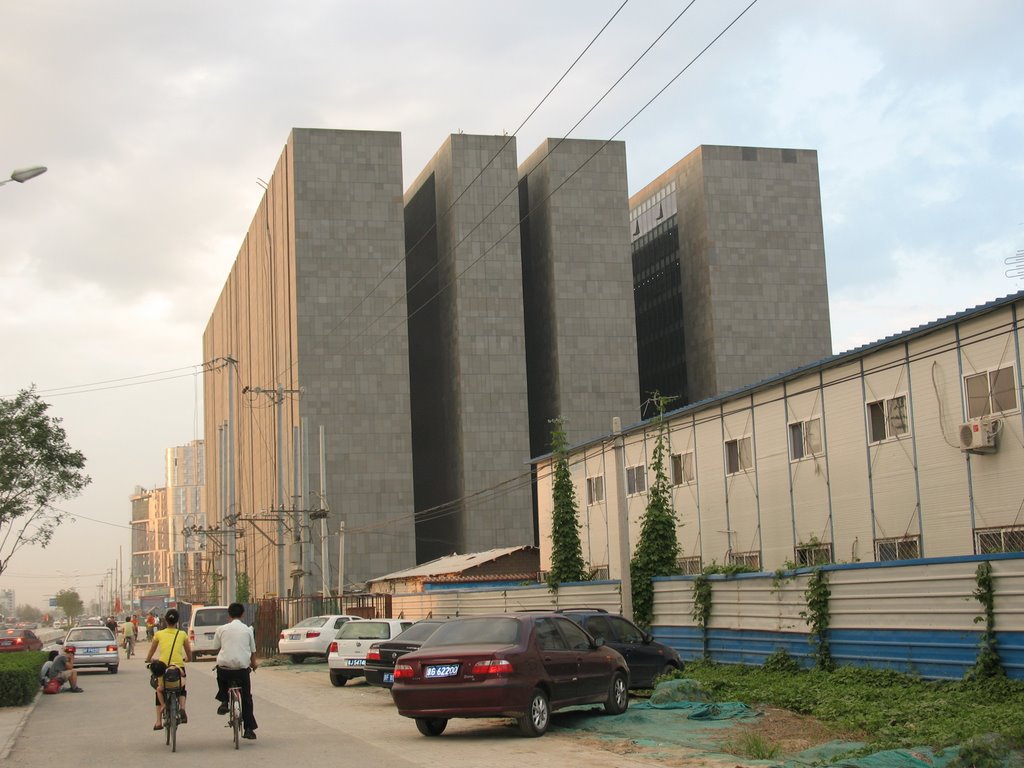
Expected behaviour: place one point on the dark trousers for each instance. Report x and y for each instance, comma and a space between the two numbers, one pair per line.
237, 678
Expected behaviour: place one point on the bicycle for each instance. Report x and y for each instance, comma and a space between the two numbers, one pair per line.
172, 716
235, 713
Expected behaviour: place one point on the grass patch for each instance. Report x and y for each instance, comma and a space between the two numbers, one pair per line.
893, 710
752, 745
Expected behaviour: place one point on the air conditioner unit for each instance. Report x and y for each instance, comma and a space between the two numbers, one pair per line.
979, 435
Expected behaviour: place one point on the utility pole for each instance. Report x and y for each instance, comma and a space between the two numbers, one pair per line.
621, 510
321, 515
277, 397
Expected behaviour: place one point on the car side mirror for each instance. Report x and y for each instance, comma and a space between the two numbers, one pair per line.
598, 642
648, 638
60, 642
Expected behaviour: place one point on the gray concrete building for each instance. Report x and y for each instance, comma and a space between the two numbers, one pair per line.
577, 289
314, 313
467, 363
729, 268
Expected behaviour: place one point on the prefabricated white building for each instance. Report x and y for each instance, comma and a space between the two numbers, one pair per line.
909, 447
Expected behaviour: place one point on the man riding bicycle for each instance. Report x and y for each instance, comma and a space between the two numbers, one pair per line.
236, 659
172, 648
129, 636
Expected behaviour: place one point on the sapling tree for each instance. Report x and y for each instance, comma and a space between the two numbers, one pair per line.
566, 552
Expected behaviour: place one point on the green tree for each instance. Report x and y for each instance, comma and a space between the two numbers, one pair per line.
242, 588
37, 468
566, 552
69, 602
215, 588
657, 550
29, 613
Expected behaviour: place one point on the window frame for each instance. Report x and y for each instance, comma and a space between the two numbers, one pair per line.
684, 477
740, 468
1002, 531
595, 490
686, 565
752, 559
990, 403
885, 411
805, 451
635, 477
897, 541
807, 555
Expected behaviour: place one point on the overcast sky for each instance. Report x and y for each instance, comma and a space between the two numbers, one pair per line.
155, 121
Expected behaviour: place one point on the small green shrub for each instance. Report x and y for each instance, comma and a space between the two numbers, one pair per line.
19, 677
752, 745
781, 661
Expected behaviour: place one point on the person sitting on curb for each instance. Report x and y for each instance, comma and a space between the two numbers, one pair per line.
46, 667
63, 668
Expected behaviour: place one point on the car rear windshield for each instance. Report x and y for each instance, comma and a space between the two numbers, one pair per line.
474, 631
364, 630
85, 635
316, 621
206, 618
419, 631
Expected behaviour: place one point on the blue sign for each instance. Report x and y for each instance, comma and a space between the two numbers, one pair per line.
53, 602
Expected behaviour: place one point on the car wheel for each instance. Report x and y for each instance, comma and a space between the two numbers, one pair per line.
431, 726
338, 679
618, 695
296, 658
112, 669
538, 716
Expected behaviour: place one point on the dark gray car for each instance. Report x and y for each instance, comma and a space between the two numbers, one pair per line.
647, 658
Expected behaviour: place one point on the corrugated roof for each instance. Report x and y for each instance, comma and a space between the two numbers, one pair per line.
451, 564
827, 362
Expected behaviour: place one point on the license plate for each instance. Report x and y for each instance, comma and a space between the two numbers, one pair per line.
87, 651
6, 642
293, 637
442, 670
355, 662
209, 635
389, 677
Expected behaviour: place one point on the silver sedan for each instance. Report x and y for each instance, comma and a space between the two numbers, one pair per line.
94, 647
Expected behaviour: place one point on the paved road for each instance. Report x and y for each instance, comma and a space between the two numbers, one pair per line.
301, 717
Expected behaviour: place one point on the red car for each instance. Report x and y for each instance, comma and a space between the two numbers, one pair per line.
19, 640
518, 665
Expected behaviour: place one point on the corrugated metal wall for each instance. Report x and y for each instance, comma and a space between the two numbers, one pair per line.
475, 602
914, 616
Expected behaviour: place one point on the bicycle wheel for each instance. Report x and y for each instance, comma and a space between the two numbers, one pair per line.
235, 702
172, 721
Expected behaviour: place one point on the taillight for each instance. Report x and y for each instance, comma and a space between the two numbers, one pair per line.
492, 667
111, 649
19, 641
373, 655
69, 649
403, 672
191, 635
282, 636
333, 648
312, 634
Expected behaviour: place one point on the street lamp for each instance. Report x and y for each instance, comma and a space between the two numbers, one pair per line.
21, 175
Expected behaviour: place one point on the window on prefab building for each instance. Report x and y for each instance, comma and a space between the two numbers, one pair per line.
898, 548
749, 559
595, 490
689, 566
989, 541
990, 392
739, 455
888, 419
815, 553
804, 439
682, 468
636, 479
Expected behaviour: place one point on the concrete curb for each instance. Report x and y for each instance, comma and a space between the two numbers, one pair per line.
9, 735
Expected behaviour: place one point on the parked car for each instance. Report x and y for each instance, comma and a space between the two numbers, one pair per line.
646, 657
518, 665
347, 653
94, 647
203, 629
379, 669
19, 640
310, 637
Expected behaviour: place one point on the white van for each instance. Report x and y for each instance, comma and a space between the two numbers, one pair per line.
203, 628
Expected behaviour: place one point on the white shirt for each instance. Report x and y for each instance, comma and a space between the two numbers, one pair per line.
236, 643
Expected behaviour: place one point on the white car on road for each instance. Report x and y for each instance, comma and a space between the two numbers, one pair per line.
311, 637
348, 651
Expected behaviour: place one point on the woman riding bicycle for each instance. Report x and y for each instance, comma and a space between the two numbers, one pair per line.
171, 648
